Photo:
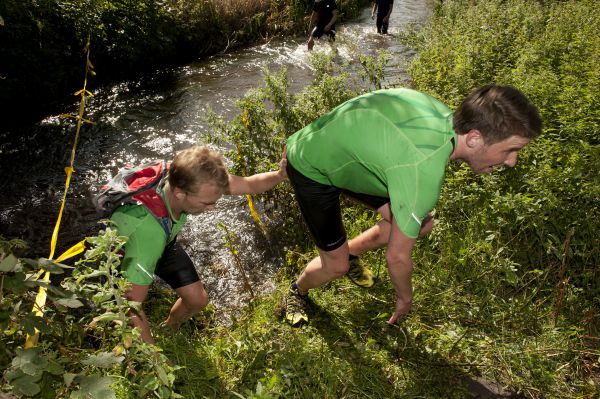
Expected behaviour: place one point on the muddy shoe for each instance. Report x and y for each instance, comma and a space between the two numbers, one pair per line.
359, 274
296, 306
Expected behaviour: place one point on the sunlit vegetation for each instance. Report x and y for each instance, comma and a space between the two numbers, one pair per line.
507, 287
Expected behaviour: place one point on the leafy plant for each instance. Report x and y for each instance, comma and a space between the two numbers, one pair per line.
88, 349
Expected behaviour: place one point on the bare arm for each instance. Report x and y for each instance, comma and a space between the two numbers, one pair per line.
400, 266
254, 184
374, 10
259, 182
138, 293
334, 14
313, 20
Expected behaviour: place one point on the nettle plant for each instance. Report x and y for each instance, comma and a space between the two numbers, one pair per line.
87, 348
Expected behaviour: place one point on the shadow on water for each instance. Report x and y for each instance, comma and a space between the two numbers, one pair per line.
153, 118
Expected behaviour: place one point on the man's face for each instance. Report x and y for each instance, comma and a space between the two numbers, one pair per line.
503, 153
204, 199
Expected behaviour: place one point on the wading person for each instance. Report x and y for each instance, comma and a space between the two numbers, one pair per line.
195, 180
322, 21
388, 149
384, 10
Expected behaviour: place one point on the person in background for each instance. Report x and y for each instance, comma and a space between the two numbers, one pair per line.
389, 150
384, 10
322, 21
196, 179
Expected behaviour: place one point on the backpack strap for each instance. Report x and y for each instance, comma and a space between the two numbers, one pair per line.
151, 196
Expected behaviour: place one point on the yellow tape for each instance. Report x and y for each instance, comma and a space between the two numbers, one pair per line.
40, 299
256, 216
74, 250
69, 171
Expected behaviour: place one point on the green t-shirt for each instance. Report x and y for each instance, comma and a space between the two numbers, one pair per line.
146, 240
391, 143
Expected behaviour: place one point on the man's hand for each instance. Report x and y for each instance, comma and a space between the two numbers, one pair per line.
282, 172
403, 306
426, 226
398, 256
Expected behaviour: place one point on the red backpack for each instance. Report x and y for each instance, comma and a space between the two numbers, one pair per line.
140, 185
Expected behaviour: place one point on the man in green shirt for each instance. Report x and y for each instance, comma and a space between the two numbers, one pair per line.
196, 179
389, 149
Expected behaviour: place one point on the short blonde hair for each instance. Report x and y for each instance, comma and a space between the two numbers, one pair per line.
196, 166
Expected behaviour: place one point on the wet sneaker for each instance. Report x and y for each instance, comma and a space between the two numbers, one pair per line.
360, 275
296, 308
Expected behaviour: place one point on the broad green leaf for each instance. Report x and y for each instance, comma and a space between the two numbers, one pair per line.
103, 360
25, 386
108, 316
53, 266
68, 378
8, 263
163, 392
150, 383
15, 283
54, 368
58, 291
94, 386
162, 374
30, 361
13, 374
70, 302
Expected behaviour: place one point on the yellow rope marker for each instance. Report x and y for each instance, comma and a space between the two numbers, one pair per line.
40, 299
253, 212
256, 216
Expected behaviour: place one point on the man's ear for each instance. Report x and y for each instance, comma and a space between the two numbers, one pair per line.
179, 193
474, 139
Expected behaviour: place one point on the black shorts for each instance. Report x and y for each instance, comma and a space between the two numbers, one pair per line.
382, 27
320, 207
319, 31
175, 267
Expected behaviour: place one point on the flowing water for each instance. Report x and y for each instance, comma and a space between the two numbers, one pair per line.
153, 118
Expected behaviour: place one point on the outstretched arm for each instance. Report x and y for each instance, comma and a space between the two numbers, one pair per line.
400, 266
259, 182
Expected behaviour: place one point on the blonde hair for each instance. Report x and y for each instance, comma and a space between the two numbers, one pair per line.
196, 166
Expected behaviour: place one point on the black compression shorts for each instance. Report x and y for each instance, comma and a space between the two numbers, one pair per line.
175, 267
320, 207
319, 31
